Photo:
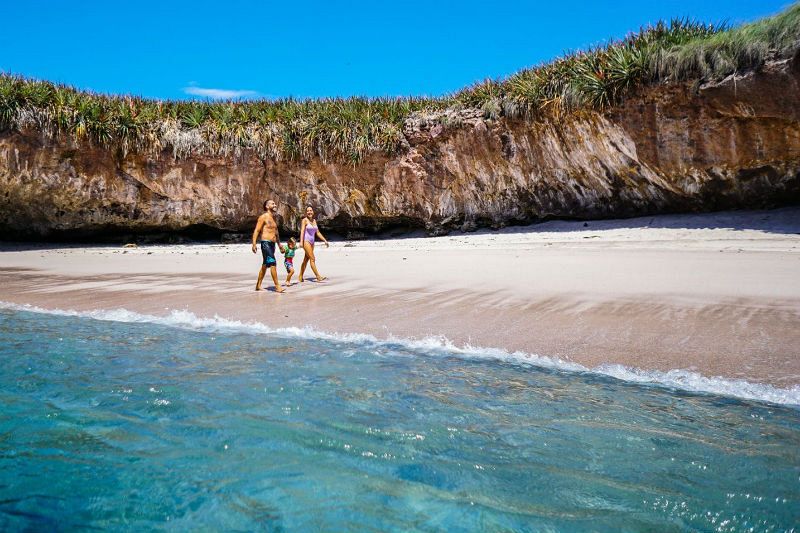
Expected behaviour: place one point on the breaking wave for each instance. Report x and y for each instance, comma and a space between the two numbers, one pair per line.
675, 379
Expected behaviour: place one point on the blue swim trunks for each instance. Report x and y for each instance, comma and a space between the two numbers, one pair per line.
268, 251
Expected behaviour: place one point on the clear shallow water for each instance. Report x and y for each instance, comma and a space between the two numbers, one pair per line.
135, 426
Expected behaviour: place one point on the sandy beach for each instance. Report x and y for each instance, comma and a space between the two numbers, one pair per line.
718, 294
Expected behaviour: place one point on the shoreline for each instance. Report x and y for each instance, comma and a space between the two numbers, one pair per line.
681, 380
716, 294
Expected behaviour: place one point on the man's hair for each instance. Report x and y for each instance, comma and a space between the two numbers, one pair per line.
265, 204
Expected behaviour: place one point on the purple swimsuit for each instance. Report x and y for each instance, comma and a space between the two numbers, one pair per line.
311, 232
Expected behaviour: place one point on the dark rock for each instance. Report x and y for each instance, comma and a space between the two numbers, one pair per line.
234, 238
355, 235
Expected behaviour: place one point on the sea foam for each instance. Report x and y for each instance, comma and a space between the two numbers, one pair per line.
679, 379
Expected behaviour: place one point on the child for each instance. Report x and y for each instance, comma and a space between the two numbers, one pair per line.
288, 252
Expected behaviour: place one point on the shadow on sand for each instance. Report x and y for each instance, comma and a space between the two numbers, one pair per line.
783, 221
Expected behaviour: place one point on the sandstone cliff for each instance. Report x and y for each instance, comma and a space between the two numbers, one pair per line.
670, 148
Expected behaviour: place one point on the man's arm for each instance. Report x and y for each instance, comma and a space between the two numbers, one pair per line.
257, 231
277, 233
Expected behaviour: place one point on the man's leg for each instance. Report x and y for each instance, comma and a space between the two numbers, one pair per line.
273, 270
261, 276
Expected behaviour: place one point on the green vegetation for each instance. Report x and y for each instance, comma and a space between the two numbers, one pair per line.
348, 129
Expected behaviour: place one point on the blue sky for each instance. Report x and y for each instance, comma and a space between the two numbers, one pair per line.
199, 49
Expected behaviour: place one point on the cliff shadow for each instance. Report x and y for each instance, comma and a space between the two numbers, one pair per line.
782, 221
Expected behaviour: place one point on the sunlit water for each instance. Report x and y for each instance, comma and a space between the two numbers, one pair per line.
129, 426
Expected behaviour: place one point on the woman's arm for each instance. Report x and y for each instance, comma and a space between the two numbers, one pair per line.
303, 231
321, 236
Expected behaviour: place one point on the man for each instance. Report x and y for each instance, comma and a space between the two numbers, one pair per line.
266, 233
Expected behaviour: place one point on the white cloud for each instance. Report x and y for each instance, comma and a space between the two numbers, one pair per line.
219, 94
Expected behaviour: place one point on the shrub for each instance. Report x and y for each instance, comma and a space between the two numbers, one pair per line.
349, 129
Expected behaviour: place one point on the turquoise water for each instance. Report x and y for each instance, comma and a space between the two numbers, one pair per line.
131, 426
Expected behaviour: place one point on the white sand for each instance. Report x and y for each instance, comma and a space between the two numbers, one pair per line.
718, 293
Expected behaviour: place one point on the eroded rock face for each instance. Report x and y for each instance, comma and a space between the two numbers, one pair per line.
733, 144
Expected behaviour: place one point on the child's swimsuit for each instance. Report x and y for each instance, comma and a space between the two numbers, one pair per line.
268, 251
289, 258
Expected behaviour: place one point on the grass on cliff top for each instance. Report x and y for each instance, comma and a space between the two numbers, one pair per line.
348, 129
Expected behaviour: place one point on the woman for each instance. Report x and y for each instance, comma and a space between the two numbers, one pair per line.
308, 234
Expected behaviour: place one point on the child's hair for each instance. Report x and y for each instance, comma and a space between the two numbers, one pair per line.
292, 241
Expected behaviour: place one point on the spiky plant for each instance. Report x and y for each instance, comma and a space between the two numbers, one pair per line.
350, 129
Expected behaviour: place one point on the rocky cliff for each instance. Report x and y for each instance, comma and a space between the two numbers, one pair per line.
669, 148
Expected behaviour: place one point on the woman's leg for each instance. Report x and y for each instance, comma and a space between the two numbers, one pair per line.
303, 267
309, 249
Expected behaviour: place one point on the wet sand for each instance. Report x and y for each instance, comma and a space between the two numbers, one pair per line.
718, 294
